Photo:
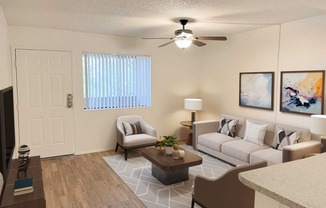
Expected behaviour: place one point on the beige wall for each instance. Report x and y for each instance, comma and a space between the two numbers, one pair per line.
5, 71
302, 47
252, 51
211, 72
174, 77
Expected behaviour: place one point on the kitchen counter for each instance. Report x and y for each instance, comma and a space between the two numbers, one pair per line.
300, 183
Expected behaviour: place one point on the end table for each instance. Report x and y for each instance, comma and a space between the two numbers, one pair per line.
189, 125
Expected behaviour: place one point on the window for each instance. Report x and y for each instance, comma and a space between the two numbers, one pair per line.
116, 81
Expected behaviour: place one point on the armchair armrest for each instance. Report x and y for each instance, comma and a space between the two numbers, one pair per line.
120, 135
202, 127
298, 151
149, 130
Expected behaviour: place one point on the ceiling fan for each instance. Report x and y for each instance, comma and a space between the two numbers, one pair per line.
184, 37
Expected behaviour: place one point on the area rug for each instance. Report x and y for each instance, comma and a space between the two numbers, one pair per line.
136, 173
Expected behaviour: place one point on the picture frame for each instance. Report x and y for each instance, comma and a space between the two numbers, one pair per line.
256, 90
302, 92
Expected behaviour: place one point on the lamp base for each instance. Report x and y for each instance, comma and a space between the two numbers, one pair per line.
193, 116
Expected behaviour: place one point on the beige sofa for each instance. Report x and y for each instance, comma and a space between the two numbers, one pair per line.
237, 151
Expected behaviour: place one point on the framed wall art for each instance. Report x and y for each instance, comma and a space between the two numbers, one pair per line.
256, 90
302, 92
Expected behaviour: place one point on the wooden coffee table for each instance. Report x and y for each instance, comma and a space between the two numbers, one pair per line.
168, 170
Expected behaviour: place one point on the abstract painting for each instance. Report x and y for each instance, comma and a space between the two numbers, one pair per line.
302, 92
256, 90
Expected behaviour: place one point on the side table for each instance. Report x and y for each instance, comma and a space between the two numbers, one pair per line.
189, 125
34, 199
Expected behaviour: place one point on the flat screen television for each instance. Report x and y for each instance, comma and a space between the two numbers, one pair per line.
7, 130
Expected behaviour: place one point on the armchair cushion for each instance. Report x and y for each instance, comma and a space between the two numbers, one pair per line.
139, 140
132, 128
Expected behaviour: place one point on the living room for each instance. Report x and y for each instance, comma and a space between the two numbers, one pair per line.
210, 73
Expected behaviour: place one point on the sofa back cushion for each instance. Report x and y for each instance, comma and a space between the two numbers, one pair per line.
239, 130
269, 134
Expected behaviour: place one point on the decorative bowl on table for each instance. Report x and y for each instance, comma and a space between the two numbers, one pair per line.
160, 148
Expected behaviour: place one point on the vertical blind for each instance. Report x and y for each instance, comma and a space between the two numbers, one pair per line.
116, 81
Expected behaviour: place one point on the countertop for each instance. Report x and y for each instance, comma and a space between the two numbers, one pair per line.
300, 183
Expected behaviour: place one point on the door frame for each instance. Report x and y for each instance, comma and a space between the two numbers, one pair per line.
15, 94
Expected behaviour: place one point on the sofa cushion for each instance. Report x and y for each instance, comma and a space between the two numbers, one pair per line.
285, 137
271, 155
255, 133
228, 126
214, 140
241, 149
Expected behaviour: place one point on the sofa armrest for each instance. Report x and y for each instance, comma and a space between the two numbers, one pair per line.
298, 151
202, 127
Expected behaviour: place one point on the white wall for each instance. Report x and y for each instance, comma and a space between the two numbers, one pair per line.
174, 77
5, 70
302, 47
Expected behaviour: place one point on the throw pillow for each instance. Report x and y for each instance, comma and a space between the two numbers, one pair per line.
255, 133
228, 126
132, 128
285, 138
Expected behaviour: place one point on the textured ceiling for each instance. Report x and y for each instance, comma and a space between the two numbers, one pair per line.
157, 18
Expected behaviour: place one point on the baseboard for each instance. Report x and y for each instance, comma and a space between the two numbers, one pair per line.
93, 151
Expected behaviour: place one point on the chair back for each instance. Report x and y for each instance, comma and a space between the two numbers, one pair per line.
227, 190
130, 119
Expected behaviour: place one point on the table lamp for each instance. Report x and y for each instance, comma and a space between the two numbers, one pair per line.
318, 126
193, 105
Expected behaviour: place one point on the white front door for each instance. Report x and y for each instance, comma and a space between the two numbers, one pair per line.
43, 84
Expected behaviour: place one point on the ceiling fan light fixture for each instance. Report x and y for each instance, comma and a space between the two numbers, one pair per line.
183, 43
183, 40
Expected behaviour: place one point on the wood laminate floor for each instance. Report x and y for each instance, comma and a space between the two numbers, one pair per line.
85, 181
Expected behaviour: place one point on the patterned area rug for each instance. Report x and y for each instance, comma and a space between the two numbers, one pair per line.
136, 173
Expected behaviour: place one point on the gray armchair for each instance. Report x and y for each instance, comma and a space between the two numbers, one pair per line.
226, 191
143, 135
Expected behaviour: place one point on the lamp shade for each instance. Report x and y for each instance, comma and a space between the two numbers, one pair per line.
318, 124
193, 104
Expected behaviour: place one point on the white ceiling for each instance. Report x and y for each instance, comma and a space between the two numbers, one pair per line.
158, 18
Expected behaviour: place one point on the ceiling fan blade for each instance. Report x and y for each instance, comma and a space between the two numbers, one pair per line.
159, 38
211, 38
198, 43
172, 41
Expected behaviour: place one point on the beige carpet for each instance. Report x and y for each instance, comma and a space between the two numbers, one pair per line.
136, 173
